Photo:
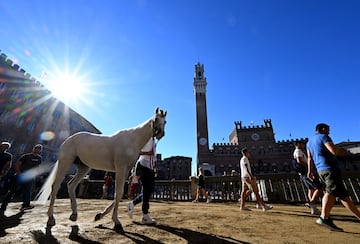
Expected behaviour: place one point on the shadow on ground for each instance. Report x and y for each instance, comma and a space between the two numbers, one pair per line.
47, 238
9, 222
197, 237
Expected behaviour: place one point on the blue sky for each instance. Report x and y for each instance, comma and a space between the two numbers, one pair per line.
295, 62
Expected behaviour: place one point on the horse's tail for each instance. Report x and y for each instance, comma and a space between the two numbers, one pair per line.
46, 189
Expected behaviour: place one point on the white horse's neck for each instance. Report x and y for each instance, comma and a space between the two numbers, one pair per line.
136, 137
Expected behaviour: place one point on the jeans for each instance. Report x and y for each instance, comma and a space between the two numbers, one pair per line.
147, 179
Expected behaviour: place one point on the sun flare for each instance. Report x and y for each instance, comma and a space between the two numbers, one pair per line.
67, 87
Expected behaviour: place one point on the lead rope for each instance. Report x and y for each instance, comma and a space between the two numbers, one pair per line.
152, 161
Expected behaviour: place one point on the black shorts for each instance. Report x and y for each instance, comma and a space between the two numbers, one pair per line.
333, 183
311, 184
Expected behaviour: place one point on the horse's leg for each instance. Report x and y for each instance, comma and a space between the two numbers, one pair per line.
72, 184
105, 211
119, 188
59, 176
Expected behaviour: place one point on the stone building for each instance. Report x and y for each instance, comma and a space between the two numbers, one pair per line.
29, 114
268, 156
176, 167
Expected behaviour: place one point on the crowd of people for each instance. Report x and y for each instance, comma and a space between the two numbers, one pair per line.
318, 169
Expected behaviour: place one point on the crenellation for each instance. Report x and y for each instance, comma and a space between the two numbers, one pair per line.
36, 82
9, 62
222, 144
16, 67
292, 140
3, 57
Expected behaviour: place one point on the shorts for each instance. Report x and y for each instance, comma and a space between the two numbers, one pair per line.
249, 184
311, 184
333, 183
200, 187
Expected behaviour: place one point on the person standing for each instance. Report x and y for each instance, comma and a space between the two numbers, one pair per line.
201, 191
108, 181
249, 184
314, 186
5, 158
5, 165
145, 171
25, 163
133, 184
322, 153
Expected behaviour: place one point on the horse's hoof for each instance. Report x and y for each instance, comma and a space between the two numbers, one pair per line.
98, 217
50, 222
74, 230
73, 217
48, 231
118, 228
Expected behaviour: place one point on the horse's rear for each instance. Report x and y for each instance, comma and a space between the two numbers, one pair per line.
68, 154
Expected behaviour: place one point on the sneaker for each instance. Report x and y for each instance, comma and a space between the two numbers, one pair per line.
208, 200
245, 208
267, 207
195, 201
130, 209
26, 207
329, 224
147, 220
314, 210
258, 206
307, 205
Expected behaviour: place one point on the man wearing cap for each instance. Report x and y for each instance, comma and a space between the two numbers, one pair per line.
26, 162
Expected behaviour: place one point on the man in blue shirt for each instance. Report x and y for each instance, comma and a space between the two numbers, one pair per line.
322, 153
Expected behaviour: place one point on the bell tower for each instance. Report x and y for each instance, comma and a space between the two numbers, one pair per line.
201, 115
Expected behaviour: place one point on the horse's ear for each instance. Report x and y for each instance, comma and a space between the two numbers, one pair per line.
165, 113
156, 110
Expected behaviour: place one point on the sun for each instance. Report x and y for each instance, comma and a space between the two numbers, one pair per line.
66, 87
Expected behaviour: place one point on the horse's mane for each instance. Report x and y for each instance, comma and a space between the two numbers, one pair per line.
129, 130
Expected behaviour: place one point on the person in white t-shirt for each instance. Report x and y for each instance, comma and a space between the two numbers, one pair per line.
249, 184
314, 186
145, 171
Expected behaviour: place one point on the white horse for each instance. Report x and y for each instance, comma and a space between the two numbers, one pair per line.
114, 153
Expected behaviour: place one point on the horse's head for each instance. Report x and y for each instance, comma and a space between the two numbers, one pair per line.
159, 123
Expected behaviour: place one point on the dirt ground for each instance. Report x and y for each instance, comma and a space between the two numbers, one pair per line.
177, 222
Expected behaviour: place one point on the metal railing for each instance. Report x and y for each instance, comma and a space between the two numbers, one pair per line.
279, 188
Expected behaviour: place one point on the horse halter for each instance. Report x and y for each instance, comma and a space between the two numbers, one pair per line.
157, 127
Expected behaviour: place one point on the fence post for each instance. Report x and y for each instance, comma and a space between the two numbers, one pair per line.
193, 187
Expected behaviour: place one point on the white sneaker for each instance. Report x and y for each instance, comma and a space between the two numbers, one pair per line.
130, 209
258, 206
147, 220
267, 207
208, 200
195, 201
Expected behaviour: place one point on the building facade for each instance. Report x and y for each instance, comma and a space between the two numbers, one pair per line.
29, 114
268, 155
174, 168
